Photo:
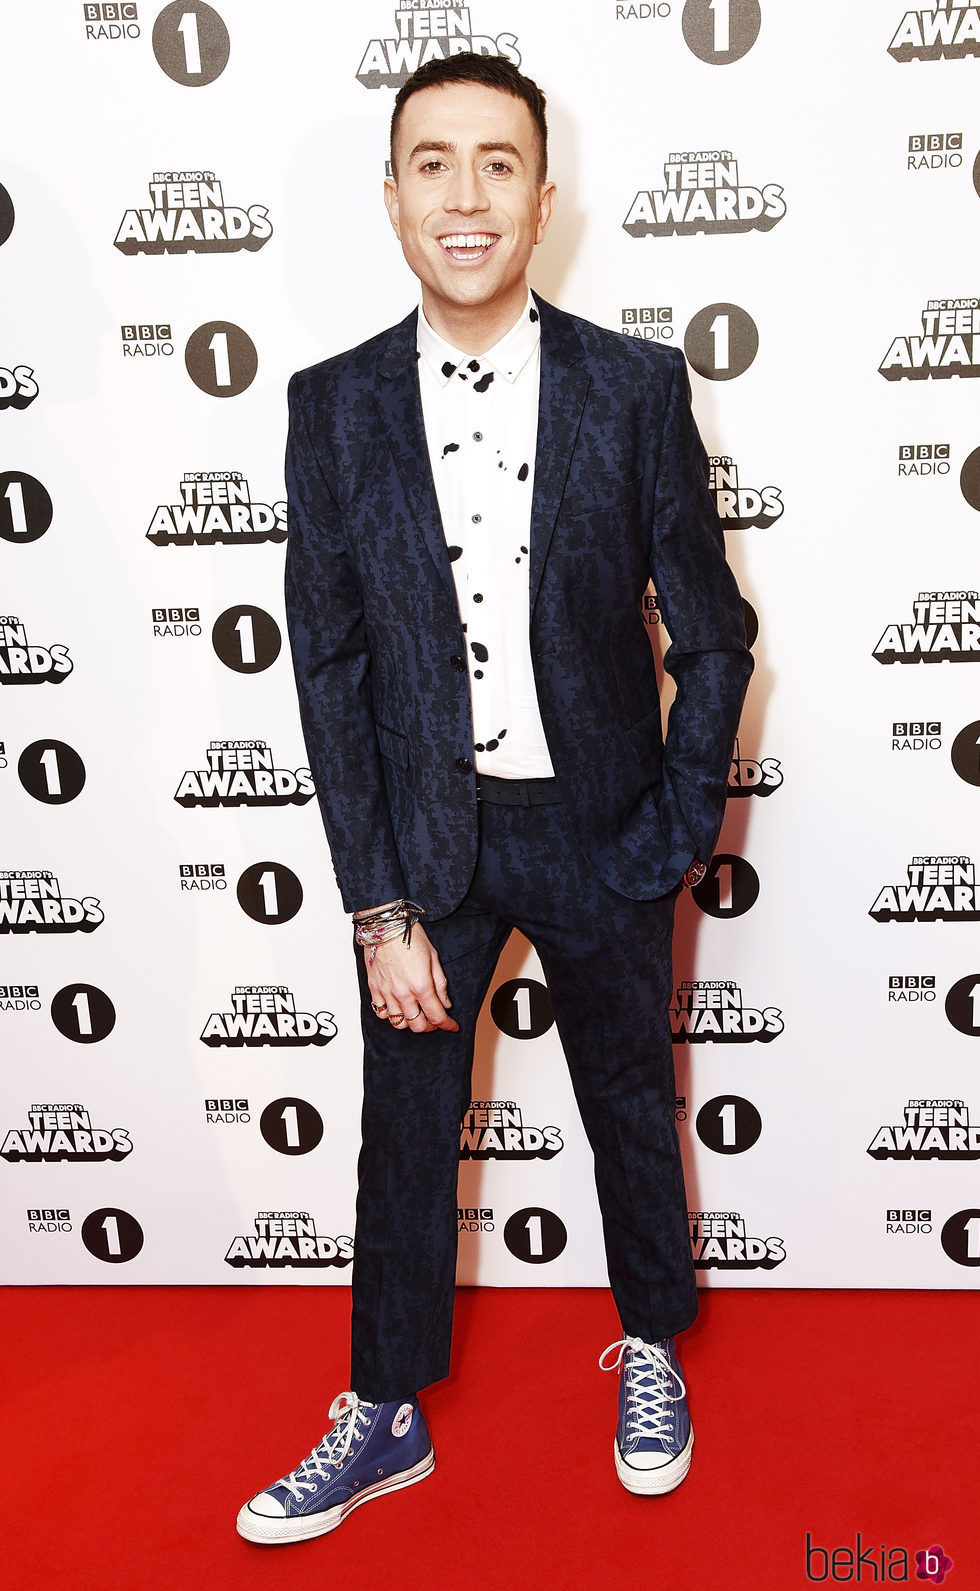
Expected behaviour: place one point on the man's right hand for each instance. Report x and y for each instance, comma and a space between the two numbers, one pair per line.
408, 986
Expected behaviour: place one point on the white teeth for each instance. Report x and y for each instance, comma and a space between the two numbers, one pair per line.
469, 240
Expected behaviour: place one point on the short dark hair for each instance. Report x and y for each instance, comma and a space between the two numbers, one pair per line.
493, 71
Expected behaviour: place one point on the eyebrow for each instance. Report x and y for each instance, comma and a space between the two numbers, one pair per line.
443, 146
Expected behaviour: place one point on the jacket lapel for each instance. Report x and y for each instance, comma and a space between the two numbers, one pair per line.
401, 412
564, 384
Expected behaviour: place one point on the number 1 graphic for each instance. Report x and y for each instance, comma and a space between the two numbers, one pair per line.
722, 20
187, 28
18, 517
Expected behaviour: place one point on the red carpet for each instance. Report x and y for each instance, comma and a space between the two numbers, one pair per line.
137, 1420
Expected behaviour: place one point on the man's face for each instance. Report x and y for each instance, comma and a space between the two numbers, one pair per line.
468, 206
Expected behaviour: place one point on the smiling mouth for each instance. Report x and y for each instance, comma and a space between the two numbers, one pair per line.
468, 246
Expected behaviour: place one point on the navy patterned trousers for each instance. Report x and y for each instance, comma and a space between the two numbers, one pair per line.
607, 961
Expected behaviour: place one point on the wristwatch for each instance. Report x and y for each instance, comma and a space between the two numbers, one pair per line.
695, 873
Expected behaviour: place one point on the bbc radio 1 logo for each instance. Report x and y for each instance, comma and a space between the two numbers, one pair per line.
188, 215
716, 31
64, 1132
741, 507
221, 359
24, 663
945, 628
494, 1129
269, 892
26, 509
729, 888
191, 43
428, 32
266, 1014
934, 151
933, 1129
923, 458
751, 776
18, 389
226, 1112
216, 506
939, 889
111, 22
949, 344
246, 639
702, 193
939, 32
146, 340
51, 771
917, 734
911, 988
903, 1223
288, 1238
535, 1235
713, 1011
242, 773
32, 903
720, 1242
202, 877
521, 1008
652, 322
721, 342
175, 623
474, 1218
50, 1219
19, 997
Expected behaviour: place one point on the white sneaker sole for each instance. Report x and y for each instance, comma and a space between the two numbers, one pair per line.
302, 1527
654, 1482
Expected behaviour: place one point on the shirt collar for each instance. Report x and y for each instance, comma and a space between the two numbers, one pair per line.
506, 358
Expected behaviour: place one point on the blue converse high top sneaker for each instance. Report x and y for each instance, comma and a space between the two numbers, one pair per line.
654, 1437
373, 1448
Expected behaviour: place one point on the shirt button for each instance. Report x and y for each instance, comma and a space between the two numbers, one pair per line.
478, 436
464, 765
458, 663
476, 518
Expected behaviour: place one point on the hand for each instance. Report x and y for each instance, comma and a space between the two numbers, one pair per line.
409, 979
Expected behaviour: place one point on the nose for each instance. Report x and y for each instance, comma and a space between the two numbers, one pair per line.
464, 195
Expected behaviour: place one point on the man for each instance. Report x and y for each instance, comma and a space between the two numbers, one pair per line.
477, 499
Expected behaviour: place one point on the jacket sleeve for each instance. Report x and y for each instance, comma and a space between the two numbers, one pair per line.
702, 611
332, 662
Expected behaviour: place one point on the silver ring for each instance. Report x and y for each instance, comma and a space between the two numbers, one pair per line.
377, 1009
416, 1016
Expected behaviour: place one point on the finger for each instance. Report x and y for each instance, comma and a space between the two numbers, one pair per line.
439, 981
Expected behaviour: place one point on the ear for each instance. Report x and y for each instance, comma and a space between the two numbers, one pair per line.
391, 203
546, 207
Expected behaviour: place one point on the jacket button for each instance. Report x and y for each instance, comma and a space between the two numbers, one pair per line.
464, 765
458, 663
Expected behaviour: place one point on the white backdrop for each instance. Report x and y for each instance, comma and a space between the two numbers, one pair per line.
142, 410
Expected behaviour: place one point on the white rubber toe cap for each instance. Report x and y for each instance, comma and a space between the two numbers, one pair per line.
648, 1460
269, 1507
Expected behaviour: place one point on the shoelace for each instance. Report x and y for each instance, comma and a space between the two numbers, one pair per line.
647, 1412
347, 1412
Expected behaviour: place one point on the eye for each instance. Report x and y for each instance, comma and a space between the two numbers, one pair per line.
430, 166
498, 168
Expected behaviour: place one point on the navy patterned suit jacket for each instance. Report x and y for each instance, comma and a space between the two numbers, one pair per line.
620, 493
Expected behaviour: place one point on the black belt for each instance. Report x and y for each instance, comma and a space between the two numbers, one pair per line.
517, 792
